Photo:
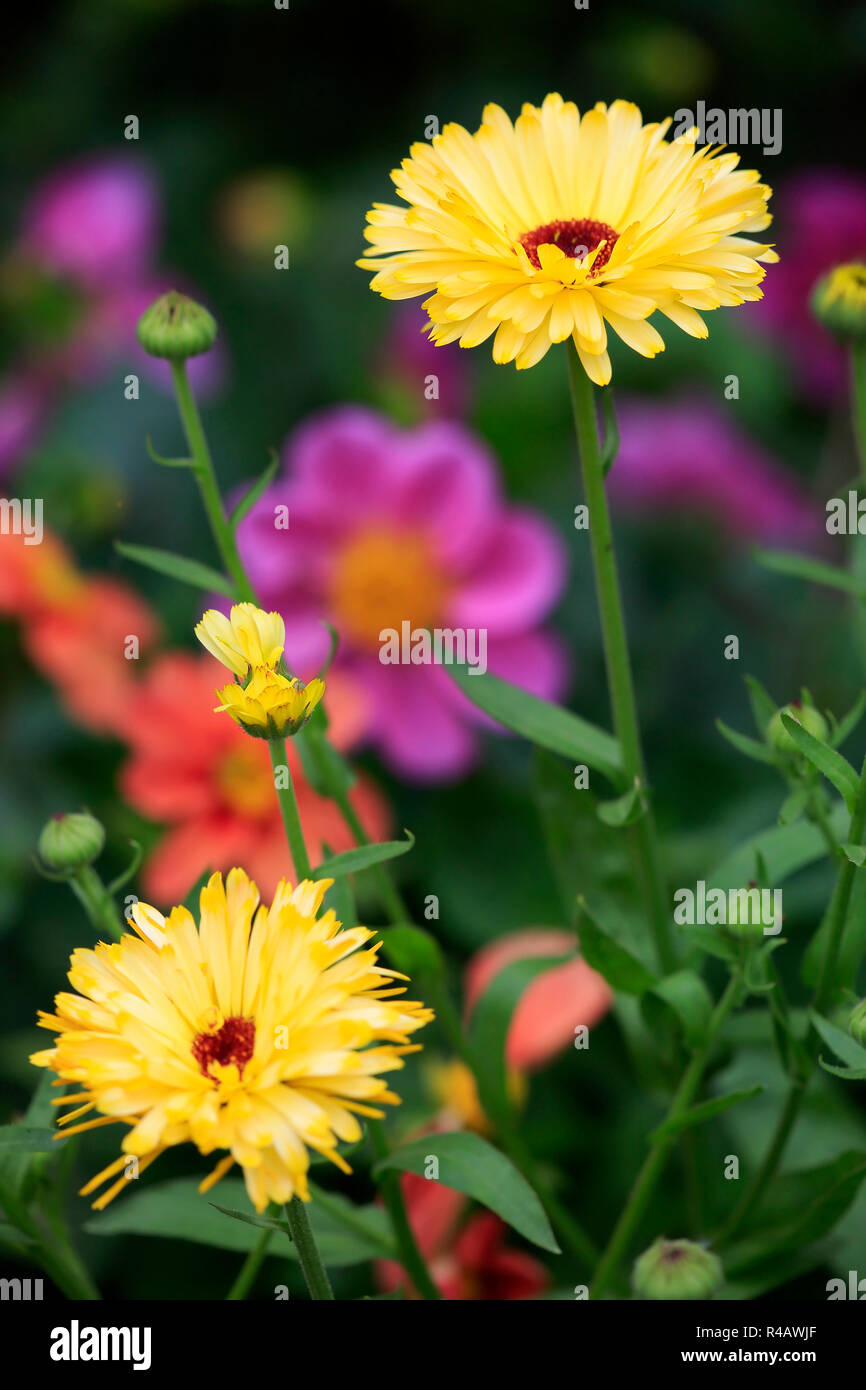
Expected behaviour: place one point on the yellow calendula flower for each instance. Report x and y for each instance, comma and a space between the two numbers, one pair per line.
271, 705
562, 226
259, 1031
248, 637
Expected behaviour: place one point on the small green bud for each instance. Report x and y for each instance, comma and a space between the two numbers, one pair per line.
857, 1022
811, 719
176, 327
676, 1269
839, 301
70, 842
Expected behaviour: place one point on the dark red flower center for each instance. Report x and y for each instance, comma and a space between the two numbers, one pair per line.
576, 239
233, 1042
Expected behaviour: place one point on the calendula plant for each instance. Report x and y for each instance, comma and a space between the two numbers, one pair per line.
262, 1035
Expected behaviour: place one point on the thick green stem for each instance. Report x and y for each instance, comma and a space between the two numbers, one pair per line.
313, 1270
616, 655
289, 808
204, 472
392, 1195
657, 1157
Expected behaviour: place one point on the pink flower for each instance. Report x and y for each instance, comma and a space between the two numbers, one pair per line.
553, 1005
821, 218
26, 400
390, 526
687, 457
94, 220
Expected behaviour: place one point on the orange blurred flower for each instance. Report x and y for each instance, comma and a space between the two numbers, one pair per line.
553, 1005
214, 787
84, 635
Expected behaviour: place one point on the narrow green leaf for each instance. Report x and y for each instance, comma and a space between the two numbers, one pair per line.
542, 723
625, 809
855, 853
352, 861
621, 969
762, 703
21, 1139
828, 762
254, 492
167, 463
848, 723
814, 571
179, 567
467, 1163
842, 1044
699, 1114
749, 747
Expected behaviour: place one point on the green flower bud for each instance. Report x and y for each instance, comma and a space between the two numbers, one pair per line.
176, 327
676, 1269
839, 300
70, 842
811, 719
857, 1022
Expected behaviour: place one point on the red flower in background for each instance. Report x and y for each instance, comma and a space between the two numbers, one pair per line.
474, 1262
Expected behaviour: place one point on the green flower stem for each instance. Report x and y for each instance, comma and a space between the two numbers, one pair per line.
392, 1195
289, 808
657, 1157
250, 1268
837, 913
858, 399
206, 478
616, 651
97, 902
313, 1270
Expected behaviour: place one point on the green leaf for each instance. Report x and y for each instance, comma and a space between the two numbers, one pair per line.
625, 809
848, 723
793, 806
833, 766
749, 747
175, 1210
699, 1114
842, 1044
352, 861
467, 1163
188, 571
855, 853
412, 951
252, 495
167, 463
814, 571
621, 969
784, 849
680, 1002
762, 703
542, 723
491, 1020
20, 1139
355, 1233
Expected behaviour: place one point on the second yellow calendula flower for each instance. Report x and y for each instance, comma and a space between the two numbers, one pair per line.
248, 637
271, 705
